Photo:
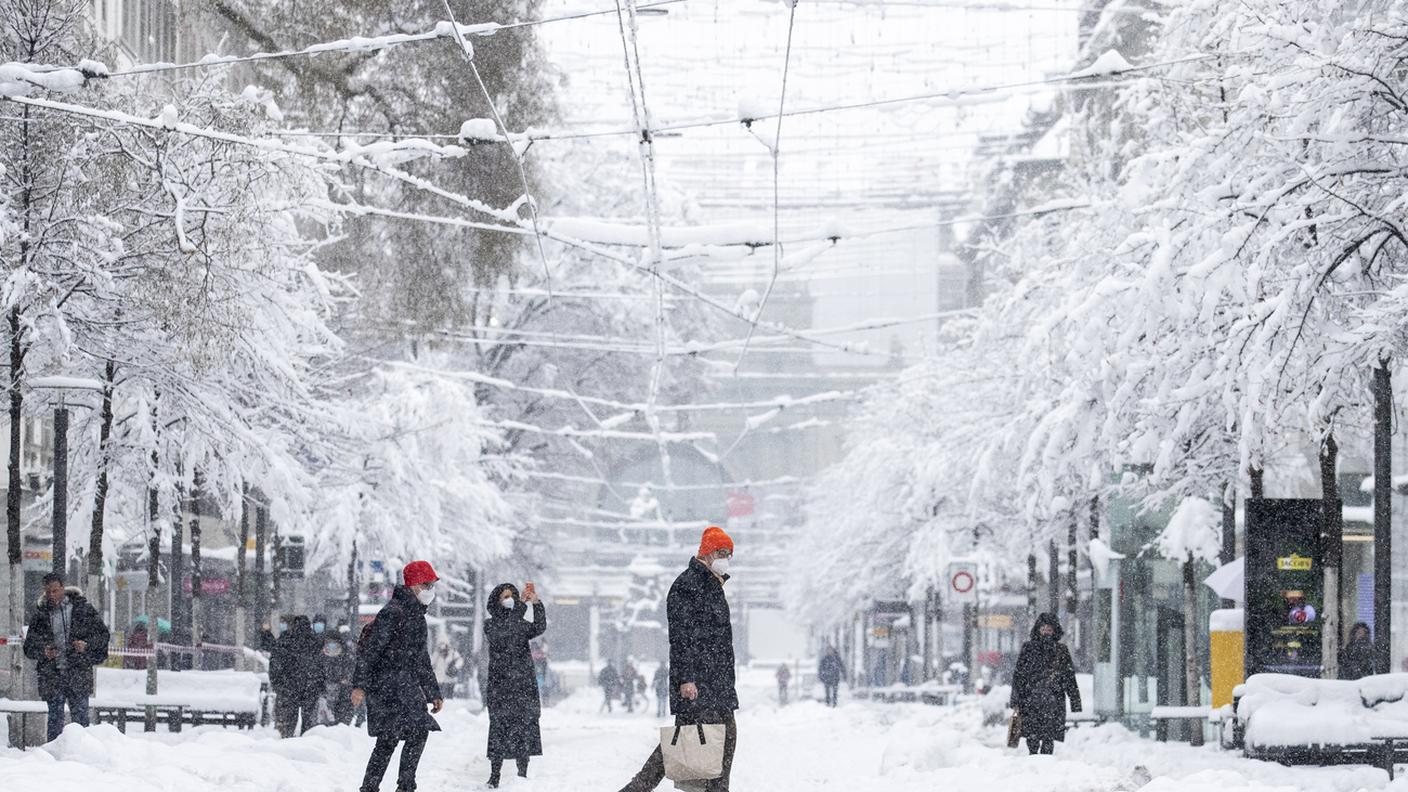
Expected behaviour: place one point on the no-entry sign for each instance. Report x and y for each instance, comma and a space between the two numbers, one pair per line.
963, 582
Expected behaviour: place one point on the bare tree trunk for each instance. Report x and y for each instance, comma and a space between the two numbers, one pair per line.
1191, 653
261, 581
1258, 482
14, 553
153, 578
1229, 532
197, 579
1331, 544
1383, 517
241, 599
100, 490
1053, 576
1031, 584
1072, 558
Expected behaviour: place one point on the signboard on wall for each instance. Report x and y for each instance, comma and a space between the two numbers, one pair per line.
1284, 583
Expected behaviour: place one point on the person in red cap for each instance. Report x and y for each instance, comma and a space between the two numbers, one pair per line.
395, 678
702, 675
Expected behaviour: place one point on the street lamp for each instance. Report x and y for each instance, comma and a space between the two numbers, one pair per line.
61, 386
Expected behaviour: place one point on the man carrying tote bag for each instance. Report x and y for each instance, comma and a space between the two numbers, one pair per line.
697, 752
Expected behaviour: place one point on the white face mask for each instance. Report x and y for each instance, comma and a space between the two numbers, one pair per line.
506, 603
426, 596
720, 566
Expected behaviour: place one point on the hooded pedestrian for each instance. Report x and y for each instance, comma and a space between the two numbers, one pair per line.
338, 665
1357, 656
512, 695
829, 671
1044, 678
296, 674
67, 638
662, 689
702, 671
394, 678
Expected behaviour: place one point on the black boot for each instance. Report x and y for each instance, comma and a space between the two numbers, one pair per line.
494, 767
523, 768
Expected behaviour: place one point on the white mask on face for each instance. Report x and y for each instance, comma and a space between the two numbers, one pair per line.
720, 566
426, 596
506, 603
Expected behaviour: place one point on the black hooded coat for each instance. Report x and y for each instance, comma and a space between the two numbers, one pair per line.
393, 669
1357, 656
511, 695
296, 664
76, 677
1043, 680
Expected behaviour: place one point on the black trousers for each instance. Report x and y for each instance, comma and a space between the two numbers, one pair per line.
1035, 746
653, 772
381, 758
833, 695
287, 710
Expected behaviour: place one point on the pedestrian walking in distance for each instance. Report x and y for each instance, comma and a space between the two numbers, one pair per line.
296, 673
1044, 678
1357, 656
394, 678
702, 673
67, 638
609, 681
662, 689
830, 670
512, 693
784, 682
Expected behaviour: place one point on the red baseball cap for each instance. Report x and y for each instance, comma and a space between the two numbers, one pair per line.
418, 572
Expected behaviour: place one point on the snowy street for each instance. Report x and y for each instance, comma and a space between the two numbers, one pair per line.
806, 747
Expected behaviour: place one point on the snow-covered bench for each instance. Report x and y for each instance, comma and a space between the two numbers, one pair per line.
25, 710
1298, 720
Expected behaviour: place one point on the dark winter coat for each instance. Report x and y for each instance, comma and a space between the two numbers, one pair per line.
393, 669
1043, 680
662, 681
701, 642
1357, 657
296, 665
830, 669
609, 680
512, 695
76, 677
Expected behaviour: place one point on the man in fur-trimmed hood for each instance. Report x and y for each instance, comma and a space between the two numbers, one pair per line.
67, 638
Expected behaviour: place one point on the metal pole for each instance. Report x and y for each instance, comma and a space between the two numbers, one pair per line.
60, 550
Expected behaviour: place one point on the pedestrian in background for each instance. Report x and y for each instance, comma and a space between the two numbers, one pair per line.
395, 680
784, 683
66, 638
628, 685
702, 672
1044, 678
830, 670
1357, 656
609, 681
662, 689
512, 696
296, 675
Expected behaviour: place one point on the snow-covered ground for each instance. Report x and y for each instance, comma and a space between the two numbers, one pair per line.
856, 748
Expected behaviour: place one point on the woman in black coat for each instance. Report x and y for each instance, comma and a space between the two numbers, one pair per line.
1043, 680
296, 674
512, 694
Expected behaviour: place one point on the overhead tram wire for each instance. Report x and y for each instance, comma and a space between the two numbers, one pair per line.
363, 45
776, 190
468, 52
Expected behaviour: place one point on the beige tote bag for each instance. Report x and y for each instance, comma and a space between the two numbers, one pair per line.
693, 752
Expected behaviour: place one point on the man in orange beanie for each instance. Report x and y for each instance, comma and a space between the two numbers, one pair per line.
702, 676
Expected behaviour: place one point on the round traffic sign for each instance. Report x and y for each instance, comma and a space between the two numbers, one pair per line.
962, 581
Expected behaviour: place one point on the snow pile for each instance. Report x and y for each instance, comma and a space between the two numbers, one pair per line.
480, 130
1279, 711
214, 691
1227, 620
1101, 555
22, 79
1193, 530
1110, 63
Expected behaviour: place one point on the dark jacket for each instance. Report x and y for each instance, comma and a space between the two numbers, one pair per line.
1043, 680
662, 680
393, 668
296, 664
701, 642
1357, 657
512, 693
609, 680
830, 669
76, 677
